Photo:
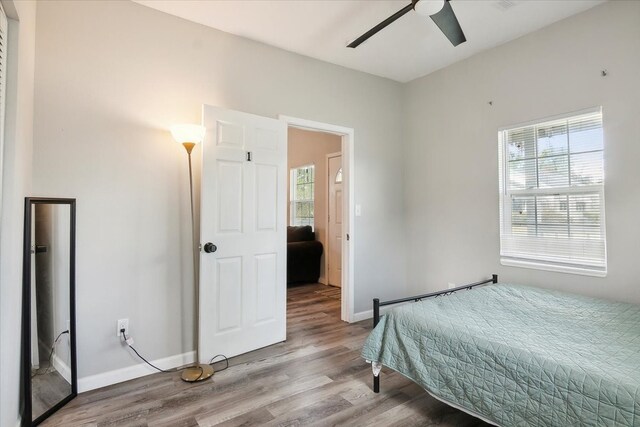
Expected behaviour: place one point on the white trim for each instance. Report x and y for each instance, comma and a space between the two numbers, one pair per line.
104, 379
362, 315
553, 118
368, 314
557, 191
62, 368
348, 225
4, 29
510, 262
312, 125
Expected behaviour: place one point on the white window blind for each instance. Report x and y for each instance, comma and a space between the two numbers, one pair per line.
552, 194
302, 196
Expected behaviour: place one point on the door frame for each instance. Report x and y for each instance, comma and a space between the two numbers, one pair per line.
348, 208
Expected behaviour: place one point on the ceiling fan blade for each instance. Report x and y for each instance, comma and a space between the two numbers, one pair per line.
448, 23
357, 42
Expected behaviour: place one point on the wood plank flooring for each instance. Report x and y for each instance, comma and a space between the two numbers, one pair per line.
316, 377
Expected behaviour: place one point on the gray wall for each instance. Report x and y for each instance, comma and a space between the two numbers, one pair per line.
111, 77
16, 184
451, 185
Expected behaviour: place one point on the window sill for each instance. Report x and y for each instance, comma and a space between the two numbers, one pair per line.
558, 268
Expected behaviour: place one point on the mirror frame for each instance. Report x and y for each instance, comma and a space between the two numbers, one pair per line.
29, 203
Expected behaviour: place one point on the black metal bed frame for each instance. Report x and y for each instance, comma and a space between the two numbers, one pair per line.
377, 304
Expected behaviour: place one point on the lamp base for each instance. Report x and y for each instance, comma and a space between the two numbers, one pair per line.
198, 372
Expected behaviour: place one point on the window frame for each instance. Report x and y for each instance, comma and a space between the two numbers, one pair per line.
293, 200
544, 261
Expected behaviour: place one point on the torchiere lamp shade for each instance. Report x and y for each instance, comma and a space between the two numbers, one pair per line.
188, 135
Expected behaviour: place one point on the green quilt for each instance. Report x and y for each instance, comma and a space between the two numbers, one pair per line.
519, 356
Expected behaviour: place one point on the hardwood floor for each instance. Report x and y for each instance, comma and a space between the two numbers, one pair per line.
316, 377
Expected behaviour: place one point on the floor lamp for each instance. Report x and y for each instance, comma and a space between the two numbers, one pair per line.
189, 136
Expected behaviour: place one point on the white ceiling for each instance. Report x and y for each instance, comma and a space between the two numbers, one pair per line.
409, 48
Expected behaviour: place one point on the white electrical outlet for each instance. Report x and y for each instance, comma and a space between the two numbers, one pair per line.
123, 324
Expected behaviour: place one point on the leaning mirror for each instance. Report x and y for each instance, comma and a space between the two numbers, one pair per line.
48, 308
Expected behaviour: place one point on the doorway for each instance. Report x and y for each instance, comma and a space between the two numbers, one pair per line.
333, 221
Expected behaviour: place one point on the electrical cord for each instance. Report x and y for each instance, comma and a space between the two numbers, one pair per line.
211, 362
126, 340
166, 371
53, 347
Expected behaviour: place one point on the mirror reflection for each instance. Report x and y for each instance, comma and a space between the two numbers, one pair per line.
50, 346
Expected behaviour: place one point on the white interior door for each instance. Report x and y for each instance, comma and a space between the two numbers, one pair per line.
334, 251
243, 202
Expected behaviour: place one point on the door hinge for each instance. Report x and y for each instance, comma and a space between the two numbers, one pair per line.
248, 156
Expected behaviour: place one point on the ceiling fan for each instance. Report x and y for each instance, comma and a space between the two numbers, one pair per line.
439, 10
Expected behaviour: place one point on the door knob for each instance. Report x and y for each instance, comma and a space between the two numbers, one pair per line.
210, 247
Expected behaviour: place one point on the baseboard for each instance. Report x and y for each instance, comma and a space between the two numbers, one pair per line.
363, 315
368, 314
62, 368
104, 379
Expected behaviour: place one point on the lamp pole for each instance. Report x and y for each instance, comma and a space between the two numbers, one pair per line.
198, 371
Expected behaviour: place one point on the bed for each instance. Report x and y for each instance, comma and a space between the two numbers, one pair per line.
515, 355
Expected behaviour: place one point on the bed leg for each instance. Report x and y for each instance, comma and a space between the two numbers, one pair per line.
376, 369
376, 319
376, 312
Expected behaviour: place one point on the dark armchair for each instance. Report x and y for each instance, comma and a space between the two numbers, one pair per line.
303, 255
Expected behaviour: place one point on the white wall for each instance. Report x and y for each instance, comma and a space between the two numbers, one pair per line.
16, 183
111, 77
451, 154
311, 148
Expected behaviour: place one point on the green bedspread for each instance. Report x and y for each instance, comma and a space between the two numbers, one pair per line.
519, 356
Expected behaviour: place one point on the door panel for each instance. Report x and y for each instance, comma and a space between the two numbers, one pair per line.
338, 206
243, 283
267, 196
229, 284
266, 286
230, 197
230, 134
266, 139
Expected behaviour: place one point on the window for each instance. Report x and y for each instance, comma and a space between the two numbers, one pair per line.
552, 194
302, 192
339, 176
